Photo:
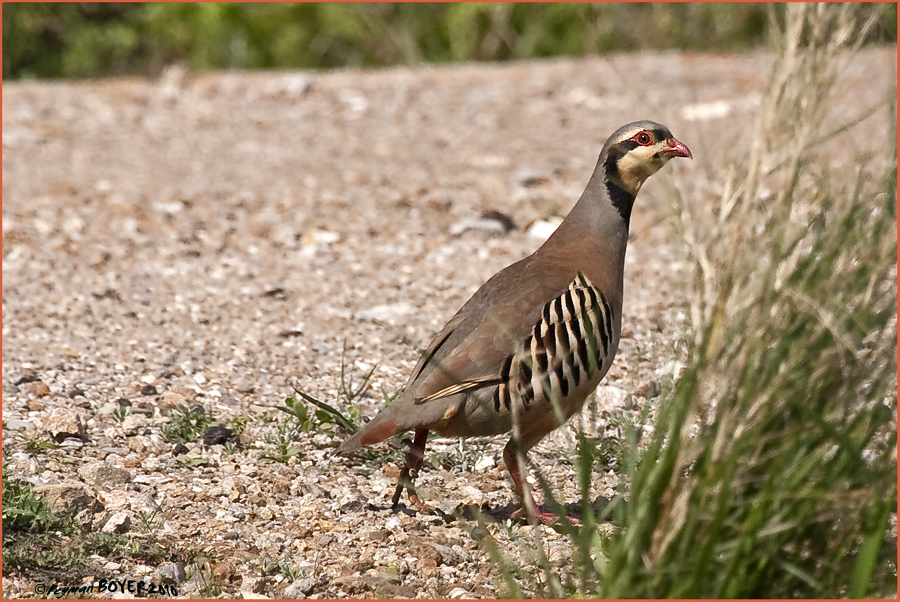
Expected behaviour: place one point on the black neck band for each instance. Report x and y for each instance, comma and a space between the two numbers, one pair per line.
620, 198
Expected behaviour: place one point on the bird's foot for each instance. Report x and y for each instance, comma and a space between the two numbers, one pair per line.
407, 478
545, 518
419, 504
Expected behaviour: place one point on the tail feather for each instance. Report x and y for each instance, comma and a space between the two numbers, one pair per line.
403, 414
378, 429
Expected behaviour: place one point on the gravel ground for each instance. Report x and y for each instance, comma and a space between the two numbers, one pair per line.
200, 240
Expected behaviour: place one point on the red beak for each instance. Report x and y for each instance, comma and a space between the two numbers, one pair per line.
677, 149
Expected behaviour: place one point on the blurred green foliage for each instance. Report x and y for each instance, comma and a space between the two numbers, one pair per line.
85, 39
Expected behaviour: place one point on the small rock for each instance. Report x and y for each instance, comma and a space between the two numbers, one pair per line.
113, 501
299, 589
256, 585
385, 576
170, 400
353, 506
28, 377
109, 293
448, 555
324, 539
14, 424
315, 489
350, 585
427, 553
216, 435
119, 523
498, 216
134, 424
194, 459
386, 585
387, 314
179, 449
234, 489
542, 229
106, 410
484, 463
224, 570
172, 573
379, 535
649, 390
228, 400
613, 397
457, 592
36, 388
123, 403
244, 385
559, 555
66, 496
63, 423
102, 475
490, 227
281, 485
148, 390
142, 502
530, 178
394, 524
119, 500
534, 181
312, 240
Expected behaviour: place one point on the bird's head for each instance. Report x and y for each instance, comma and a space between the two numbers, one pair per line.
637, 151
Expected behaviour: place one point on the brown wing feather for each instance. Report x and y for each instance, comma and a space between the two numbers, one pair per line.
492, 327
468, 385
439, 339
470, 350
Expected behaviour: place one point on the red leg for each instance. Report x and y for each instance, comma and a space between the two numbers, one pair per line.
414, 458
512, 465
529, 507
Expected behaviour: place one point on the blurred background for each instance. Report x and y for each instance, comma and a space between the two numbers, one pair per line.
86, 39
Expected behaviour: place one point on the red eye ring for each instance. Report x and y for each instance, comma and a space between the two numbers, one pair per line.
643, 138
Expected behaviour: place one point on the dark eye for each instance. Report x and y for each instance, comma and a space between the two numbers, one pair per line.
643, 138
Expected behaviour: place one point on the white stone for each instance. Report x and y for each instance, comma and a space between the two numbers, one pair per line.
484, 463
542, 229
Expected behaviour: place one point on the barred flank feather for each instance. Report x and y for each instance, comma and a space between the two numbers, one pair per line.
568, 346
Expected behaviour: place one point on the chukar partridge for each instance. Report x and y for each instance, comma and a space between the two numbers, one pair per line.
536, 339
